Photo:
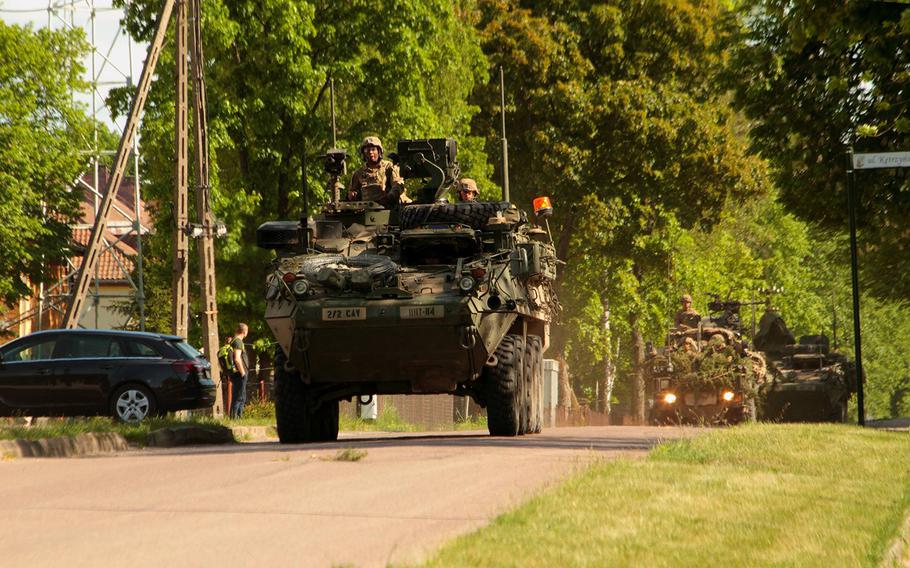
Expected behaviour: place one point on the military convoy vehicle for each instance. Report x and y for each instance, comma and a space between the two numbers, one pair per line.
808, 382
424, 298
706, 374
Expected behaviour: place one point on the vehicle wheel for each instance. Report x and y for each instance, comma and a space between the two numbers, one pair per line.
533, 380
503, 390
325, 423
296, 420
474, 214
132, 404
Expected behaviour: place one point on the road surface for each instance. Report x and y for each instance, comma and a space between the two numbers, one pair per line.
264, 504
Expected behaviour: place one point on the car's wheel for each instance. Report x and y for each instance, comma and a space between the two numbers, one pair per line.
297, 419
133, 404
504, 389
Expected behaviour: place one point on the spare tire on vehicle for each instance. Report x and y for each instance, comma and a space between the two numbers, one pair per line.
474, 214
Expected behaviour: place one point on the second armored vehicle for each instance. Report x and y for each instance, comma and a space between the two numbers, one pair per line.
706, 374
809, 382
424, 298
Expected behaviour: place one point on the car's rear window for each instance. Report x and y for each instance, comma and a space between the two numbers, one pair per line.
186, 349
87, 346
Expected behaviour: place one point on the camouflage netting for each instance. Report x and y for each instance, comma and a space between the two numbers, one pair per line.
717, 364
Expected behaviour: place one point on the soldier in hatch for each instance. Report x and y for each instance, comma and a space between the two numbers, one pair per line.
687, 317
467, 190
378, 180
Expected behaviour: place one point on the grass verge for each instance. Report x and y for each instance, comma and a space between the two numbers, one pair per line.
136, 434
755, 495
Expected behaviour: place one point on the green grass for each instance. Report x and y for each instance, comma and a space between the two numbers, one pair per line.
474, 423
755, 495
60, 427
349, 455
388, 421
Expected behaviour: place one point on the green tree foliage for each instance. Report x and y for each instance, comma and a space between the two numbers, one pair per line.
401, 69
39, 128
815, 77
621, 116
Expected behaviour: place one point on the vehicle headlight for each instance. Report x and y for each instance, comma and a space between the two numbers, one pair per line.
669, 398
300, 287
466, 284
727, 395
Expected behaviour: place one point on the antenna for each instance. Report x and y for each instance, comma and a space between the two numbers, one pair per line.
332, 93
505, 142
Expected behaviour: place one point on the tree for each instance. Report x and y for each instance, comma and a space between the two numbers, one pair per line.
402, 70
814, 78
39, 128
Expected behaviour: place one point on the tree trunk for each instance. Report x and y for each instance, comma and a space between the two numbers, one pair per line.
609, 376
567, 399
638, 358
610, 379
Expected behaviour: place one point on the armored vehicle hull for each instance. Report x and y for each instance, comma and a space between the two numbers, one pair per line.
425, 299
704, 376
809, 383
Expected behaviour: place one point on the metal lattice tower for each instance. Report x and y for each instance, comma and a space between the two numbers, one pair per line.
105, 69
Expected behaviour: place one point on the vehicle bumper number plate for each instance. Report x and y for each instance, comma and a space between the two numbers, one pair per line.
344, 314
421, 312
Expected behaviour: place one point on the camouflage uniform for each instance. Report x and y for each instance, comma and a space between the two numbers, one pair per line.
687, 317
369, 184
375, 183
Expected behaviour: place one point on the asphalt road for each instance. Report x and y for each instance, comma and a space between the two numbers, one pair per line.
263, 504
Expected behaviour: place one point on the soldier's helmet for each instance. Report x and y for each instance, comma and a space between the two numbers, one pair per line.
371, 141
467, 184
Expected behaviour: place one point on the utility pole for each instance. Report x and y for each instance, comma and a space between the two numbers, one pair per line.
94, 246
180, 283
206, 246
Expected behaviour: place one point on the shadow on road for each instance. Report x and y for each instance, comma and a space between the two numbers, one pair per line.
601, 439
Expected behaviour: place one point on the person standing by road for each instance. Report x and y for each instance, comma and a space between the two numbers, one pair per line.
241, 371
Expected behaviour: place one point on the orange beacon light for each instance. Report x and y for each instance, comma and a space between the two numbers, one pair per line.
543, 207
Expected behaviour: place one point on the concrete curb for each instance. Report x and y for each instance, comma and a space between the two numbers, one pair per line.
64, 447
898, 554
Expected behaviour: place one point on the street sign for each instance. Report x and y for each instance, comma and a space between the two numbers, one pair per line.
881, 160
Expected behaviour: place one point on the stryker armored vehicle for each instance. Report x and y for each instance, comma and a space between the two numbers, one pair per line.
706, 374
809, 382
422, 298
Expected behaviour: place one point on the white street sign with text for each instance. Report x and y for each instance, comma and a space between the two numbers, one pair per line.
882, 160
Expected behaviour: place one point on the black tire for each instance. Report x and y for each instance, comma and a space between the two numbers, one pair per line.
474, 214
133, 403
503, 388
296, 420
534, 382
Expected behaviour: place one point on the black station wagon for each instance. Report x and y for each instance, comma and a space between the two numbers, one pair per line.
124, 374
